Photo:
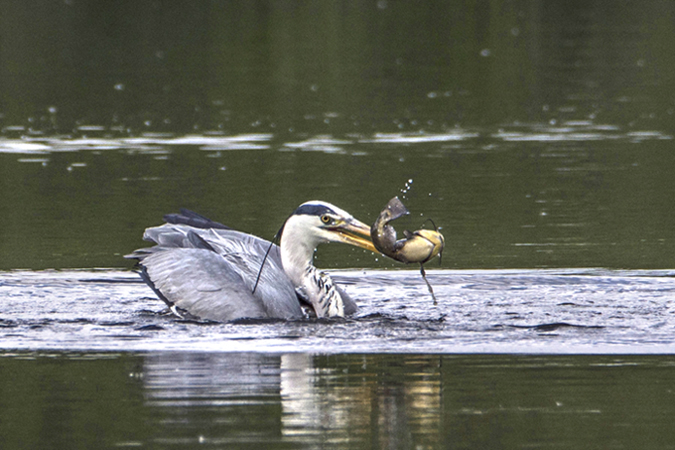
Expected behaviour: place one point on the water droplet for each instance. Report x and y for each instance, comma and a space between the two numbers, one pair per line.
119, 87
407, 187
485, 52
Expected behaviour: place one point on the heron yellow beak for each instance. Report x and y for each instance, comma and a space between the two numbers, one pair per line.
355, 233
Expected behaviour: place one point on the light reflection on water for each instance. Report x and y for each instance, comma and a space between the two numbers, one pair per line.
345, 401
491, 311
573, 194
404, 401
568, 131
340, 402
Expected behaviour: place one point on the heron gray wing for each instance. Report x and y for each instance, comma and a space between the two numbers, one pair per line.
349, 304
232, 244
197, 281
246, 253
226, 240
211, 273
193, 219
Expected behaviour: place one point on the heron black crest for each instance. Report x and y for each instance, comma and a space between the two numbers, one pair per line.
313, 209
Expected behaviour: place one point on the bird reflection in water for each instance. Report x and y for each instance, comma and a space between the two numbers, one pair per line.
349, 400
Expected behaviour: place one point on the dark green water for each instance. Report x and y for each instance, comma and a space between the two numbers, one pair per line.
221, 400
537, 134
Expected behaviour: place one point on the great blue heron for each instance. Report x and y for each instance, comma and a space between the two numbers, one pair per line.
211, 271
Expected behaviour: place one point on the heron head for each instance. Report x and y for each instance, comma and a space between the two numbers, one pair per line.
316, 222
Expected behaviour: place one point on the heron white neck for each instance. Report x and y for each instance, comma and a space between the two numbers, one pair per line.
297, 255
297, 251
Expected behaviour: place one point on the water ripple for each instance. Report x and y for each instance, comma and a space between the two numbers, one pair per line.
494, 311
100, 139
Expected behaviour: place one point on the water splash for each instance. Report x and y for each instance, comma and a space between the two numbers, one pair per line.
481, 311
407, 188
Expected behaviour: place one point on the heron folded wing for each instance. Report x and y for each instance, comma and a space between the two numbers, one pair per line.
350, 305
210, 273
191, 218
199, 282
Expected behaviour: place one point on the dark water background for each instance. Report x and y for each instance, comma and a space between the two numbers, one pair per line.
537, 134
245, 400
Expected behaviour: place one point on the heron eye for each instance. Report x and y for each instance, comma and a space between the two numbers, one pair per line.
326, 219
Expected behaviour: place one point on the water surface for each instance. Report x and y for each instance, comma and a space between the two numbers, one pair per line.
537, 134
295, 400
507, 311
